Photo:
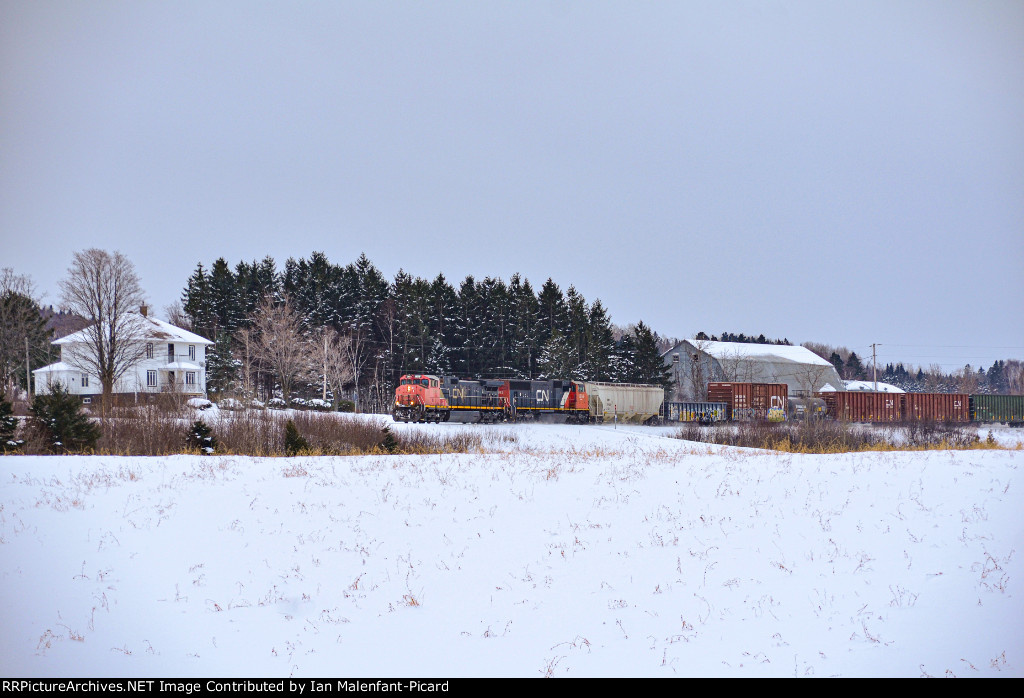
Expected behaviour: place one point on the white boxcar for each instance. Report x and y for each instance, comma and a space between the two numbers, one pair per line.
626, 402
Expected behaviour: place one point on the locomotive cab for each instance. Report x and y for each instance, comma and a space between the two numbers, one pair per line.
418, 398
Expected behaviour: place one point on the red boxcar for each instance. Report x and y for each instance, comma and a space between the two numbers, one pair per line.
936, 407
750, 400
857, 406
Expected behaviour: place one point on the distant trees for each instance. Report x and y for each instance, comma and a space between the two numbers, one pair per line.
104, 288
478, 328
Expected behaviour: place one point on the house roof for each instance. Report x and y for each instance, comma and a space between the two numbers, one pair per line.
54, 368
153, 329
756, 352
181, 366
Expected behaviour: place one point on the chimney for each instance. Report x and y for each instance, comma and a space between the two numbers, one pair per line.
144, 310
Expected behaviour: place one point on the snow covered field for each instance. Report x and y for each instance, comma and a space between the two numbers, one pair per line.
570, 551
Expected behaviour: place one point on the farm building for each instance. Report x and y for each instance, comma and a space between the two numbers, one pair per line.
170, 360
696, 362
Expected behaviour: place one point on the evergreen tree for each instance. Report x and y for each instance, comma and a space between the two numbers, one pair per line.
255, 282
854, 369
8, 428
524, 322
294, 443
601, 346
222, 368
552, 310
623, 361
837, 361
648, 366
443, 322
577, 332
555, 360
197, 303
21, 321
224, 299
468, 325
200, 438
58, 419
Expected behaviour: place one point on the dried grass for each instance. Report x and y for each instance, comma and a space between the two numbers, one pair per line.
827, 436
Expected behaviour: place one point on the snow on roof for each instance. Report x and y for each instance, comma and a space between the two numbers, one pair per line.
53, 368
181, 365
152, 328
869, 386
743, 350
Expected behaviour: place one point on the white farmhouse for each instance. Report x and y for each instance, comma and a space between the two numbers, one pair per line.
174, 361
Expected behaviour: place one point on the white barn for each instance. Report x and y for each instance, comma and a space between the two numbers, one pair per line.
174, 361
696, 362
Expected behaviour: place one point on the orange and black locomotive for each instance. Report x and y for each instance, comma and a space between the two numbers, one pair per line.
428, 398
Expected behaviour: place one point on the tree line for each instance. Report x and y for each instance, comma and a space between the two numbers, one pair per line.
380, 329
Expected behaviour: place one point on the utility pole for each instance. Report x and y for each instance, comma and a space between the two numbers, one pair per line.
28, 375
874, 364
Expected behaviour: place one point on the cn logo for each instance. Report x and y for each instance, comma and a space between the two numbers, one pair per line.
542, 396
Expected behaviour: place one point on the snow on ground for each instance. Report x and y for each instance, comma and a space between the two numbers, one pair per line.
575, 551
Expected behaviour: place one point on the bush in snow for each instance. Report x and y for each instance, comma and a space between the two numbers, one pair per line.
8, 428
198, 403
276, 403
293, 442
200, 438
59, 423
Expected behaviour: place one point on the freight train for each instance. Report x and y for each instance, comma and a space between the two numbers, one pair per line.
430, 398
855, 406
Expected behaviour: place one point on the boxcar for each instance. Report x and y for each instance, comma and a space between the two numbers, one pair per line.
751, 400
936, 407
857, 406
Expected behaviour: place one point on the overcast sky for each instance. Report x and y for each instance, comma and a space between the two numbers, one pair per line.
842, 172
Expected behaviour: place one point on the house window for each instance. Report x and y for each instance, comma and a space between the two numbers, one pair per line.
170, 353
86, 400
149, 350
190, 378
191, 352
85, 380
151, 379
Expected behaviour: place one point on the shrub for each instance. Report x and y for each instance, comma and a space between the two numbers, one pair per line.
293, 442
59, 422
8, 428
200, 438
390, 444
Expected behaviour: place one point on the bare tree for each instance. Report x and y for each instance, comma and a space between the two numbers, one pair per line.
337, 366
104, 288
245, 353
966, 379
281, 344
357, 352
1014, 372
177, 316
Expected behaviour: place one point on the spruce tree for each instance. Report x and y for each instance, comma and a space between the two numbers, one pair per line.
58, 419
8, 428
